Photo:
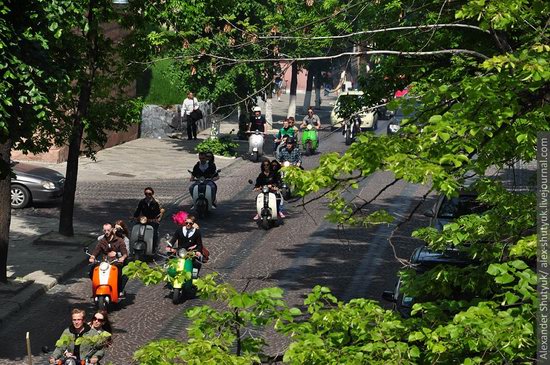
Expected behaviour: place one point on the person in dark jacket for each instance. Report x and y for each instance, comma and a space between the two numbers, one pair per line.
205, 168
150, 208
187, 236
87, 349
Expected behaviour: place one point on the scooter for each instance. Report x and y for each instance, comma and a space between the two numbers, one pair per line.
180, 274
256, 145
352, 127
202, 195
105, 285
309, 140
68, 360
142, 238
266, 207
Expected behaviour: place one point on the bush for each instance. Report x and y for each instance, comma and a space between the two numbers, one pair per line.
222, 146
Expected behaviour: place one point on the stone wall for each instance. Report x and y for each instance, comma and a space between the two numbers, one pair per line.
158, 122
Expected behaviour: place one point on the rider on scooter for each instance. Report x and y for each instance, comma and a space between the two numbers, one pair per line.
257, 122
313, 119
291, 154
149, 207
78, 328
187, 236
286, 132
205, 168
111, 247
272, 180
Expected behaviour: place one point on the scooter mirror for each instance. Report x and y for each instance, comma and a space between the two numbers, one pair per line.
250, 182
86, 249
45, 349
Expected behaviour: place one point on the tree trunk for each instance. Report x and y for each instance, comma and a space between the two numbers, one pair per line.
293, 87
86, 83
5, 211
318, 86
309, 87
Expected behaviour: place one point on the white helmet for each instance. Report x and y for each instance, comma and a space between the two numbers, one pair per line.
257, 109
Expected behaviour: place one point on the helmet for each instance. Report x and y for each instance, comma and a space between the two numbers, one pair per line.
257, 109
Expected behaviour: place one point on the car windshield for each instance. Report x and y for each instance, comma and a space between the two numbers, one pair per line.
458, 206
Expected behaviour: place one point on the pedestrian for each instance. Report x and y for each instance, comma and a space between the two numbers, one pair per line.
85, 350
278, 86
189, 116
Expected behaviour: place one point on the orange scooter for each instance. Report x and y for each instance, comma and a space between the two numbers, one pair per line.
105, 285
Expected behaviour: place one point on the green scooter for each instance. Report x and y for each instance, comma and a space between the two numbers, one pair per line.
180, 274
309, 140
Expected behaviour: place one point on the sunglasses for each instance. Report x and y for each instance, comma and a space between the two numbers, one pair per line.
188, 223
99, 319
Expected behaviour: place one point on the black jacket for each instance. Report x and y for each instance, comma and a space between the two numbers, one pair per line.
151, 210
257, 124
272, 179
187, 242
210, 172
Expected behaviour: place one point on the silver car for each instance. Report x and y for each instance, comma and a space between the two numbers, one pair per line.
35, 184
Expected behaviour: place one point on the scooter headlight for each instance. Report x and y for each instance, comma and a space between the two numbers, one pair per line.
286, 164
201, 179
143, 220
181, 253
104, 266
309, 127
265, 189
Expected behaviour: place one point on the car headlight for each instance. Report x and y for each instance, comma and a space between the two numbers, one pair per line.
48, 185
394, 127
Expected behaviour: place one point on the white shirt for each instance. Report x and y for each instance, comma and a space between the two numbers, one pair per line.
188, 106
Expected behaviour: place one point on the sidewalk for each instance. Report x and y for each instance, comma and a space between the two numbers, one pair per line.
34, 261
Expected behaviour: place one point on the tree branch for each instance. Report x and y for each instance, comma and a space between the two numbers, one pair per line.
382, 30
345, 54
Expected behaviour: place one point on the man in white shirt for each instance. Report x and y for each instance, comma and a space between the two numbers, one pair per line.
189, 104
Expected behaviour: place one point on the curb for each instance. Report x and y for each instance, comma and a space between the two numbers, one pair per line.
40, 285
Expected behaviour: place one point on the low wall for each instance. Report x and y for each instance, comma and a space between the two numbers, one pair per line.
159, 122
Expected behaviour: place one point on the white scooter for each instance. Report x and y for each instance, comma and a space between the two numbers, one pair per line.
256, 145
202, 196
266, 207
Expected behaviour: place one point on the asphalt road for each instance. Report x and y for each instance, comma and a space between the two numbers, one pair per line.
303, 252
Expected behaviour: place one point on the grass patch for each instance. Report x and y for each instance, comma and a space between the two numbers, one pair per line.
156, 87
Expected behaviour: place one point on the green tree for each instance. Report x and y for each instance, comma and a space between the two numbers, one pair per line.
478, 78
31, 80
99, 99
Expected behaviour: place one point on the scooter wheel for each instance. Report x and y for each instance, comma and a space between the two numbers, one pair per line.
265, 223
177, 296
101, 303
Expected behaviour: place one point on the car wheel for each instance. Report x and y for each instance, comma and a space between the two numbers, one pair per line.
20, 196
